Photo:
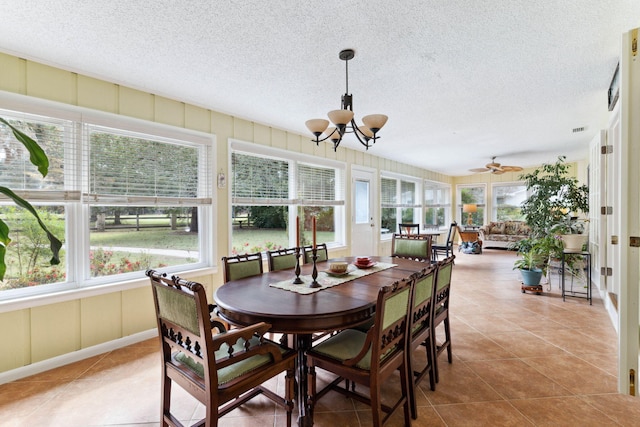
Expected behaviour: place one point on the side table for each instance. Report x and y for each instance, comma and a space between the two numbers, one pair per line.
587, 257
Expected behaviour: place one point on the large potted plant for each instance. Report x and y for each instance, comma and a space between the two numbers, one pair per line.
555, 198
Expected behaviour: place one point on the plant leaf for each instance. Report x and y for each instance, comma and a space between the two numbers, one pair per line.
37, 154
54, 244
4, 242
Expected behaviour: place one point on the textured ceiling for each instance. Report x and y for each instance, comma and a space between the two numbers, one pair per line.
461, 80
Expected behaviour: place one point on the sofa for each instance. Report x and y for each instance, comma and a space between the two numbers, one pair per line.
501, 234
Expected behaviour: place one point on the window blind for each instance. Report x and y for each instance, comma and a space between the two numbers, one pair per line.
127, 168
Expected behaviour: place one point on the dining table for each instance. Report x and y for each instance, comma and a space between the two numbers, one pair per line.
300, 311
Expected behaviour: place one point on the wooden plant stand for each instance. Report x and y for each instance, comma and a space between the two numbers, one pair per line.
534, 288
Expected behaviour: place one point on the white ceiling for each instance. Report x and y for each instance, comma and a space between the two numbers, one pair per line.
461, 80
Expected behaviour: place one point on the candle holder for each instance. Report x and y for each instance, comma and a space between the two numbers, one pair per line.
297, 280
314, 272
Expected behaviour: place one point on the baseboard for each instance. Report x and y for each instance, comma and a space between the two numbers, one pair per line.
65, 359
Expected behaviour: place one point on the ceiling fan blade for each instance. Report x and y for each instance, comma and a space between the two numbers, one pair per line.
497, 171
492, 165
511, 168
478, 170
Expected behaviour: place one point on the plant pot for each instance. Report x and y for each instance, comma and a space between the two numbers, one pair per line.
574, 242
531, 277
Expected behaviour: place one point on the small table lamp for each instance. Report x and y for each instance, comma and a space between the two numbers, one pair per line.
469, 209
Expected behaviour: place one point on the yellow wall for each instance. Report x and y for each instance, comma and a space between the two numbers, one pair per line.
40, 332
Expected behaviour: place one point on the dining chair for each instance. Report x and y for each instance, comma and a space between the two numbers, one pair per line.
420, 332
369, 358
240, 266
409, 228
321, 252
441, 311
281, 259
221, 370
412, 246
445, 249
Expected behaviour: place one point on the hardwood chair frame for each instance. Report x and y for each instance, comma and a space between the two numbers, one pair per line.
240, 266
321, 252
417, 247
446, 248
281, 259
441, 311
410, 229
371, 357
420, 330
222, 370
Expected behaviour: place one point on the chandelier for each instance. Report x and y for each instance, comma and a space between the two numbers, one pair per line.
343, 119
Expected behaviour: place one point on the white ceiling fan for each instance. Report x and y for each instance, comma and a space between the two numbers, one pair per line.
496, 168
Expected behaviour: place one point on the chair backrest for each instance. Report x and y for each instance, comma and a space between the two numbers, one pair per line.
281, 259
411, 246
409, 228
423, 291
182, 314
443, 284
240, 266
321, 252
388, 336
451, 233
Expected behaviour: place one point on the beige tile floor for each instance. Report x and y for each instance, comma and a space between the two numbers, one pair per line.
519, 359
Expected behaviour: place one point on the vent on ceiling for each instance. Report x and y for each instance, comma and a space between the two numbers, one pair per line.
580, 129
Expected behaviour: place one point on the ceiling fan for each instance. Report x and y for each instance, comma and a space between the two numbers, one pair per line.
496, 168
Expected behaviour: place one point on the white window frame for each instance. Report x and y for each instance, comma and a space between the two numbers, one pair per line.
76, 210
494, 201
294, 159
446, 204
399, 205
459, 216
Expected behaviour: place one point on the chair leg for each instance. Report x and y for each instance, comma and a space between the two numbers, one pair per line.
447, 335
289, 394
311, 388
376, 404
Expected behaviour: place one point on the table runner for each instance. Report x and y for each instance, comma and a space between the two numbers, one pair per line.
327, 281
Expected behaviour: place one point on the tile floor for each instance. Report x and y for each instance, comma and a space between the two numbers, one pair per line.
519, 359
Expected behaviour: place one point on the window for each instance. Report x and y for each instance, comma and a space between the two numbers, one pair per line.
399, 203
120, 200
269, 189
507, 199
474, 196
437, 204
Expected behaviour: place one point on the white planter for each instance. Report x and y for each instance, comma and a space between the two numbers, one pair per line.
574, 242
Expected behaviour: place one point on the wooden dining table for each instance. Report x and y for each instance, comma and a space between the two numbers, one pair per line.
250, 300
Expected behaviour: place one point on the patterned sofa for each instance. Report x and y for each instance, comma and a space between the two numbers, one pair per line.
501, 234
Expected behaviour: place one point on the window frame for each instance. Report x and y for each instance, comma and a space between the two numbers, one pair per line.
293, 201
446, 205
399, 205
459, 214
494, 201
78, 282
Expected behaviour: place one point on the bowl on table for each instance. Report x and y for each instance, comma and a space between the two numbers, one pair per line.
363, 262
338, 267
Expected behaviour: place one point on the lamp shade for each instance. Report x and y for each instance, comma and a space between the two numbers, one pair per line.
470, 208
340, 117
317, 126
375, 121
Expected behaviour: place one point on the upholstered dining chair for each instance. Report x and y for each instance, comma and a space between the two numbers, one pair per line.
420, 332
441, 311
321, 252
409, 228
221, 370
445, 249
281, 259
412, 246
240, 266
369, 358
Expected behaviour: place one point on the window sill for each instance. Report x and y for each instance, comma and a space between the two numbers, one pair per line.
87, 292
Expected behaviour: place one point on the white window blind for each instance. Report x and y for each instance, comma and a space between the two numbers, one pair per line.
408, 194
388, 192
129, 168
318, 186
259, 180
55, 137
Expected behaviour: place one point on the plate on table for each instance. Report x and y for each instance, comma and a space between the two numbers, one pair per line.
337, 274
363, 266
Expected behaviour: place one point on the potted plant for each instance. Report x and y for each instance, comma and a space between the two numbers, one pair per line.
532, 265
556, 199
571, 231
